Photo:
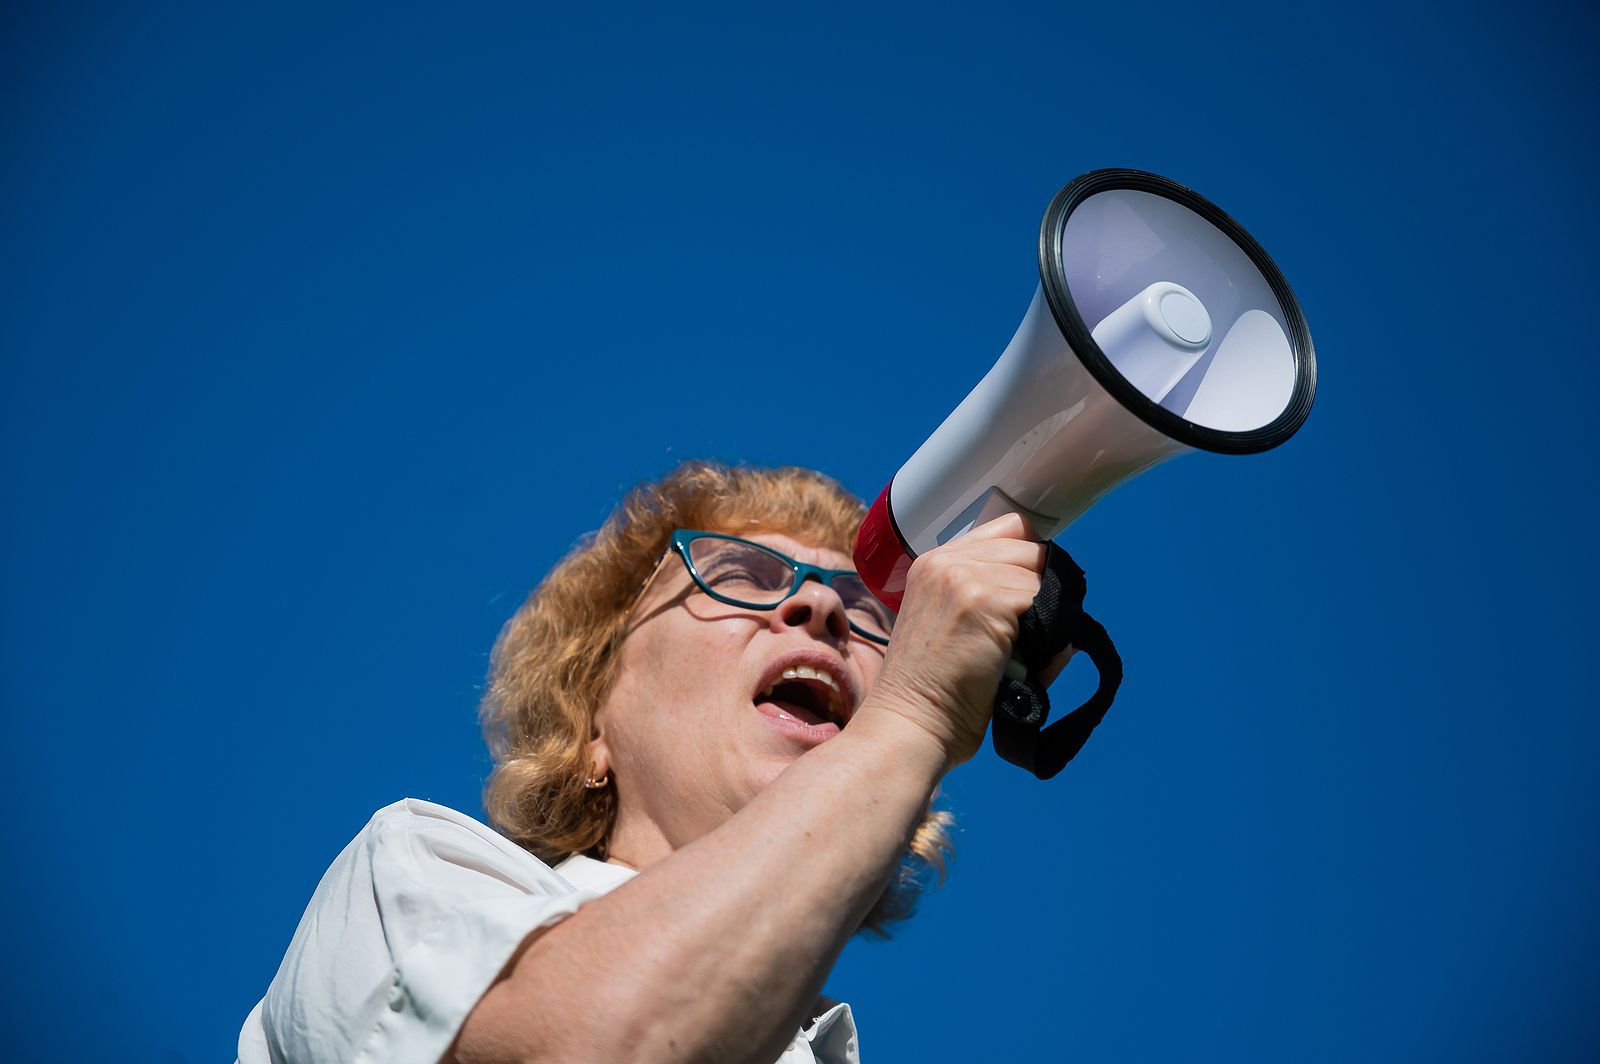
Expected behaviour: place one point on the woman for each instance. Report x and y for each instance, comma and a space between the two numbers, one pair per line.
710, 764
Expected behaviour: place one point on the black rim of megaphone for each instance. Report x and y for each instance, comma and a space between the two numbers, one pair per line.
1072, 326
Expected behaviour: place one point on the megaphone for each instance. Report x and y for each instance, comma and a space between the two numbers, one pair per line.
1159, 327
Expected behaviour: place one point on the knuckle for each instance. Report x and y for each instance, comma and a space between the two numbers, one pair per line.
972, 595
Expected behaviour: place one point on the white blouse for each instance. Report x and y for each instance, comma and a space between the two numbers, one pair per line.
410, 926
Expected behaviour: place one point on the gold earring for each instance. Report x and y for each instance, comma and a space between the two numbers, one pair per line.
595, 784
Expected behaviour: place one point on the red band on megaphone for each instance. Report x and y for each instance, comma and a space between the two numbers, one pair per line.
881, 556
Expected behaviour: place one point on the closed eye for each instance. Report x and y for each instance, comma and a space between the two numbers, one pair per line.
873, 620
745, 576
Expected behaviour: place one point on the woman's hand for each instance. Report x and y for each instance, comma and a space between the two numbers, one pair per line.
953, 636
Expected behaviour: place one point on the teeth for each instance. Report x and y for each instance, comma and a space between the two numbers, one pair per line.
806, 672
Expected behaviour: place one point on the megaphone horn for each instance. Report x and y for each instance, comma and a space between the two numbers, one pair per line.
1159, 326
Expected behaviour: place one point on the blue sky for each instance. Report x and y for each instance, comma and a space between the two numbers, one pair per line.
329, 330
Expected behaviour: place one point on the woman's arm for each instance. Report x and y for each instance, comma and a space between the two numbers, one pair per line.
716, 951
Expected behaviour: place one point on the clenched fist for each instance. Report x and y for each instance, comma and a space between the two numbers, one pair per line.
953, 636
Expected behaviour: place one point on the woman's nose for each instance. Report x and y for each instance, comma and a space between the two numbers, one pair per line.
817, 608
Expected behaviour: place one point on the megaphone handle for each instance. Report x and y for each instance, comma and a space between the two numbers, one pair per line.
1055, 621
1061, 741
1022, 705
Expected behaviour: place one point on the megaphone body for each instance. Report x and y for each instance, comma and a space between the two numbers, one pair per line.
1159, 326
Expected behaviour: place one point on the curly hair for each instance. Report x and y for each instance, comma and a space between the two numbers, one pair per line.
557, 657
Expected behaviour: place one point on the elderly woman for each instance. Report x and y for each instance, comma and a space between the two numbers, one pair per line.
713, 767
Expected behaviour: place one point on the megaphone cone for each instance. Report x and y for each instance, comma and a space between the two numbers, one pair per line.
1159, 326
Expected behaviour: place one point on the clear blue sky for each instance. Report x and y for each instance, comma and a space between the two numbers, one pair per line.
326, 332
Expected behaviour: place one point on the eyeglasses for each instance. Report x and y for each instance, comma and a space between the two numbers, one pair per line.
741, 573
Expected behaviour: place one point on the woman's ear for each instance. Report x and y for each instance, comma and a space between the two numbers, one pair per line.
599, 753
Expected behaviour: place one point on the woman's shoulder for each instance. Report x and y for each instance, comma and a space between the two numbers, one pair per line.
408, 926
410, 817
419, 813
422, 833
418, 838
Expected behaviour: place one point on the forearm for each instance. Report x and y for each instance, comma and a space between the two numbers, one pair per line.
716, 951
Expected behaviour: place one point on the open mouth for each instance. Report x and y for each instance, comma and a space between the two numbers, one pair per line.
809, 694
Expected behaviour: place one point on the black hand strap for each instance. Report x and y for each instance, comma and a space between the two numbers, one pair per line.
1054, 621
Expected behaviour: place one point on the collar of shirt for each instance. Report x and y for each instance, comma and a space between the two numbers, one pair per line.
586, 873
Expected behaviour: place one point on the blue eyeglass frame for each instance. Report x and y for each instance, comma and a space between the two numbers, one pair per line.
682, 537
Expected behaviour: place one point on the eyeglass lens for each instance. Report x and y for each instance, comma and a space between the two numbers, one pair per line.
758, 577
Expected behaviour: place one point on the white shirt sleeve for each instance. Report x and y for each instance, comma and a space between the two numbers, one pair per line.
406, 931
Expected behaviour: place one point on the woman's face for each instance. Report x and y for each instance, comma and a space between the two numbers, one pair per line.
712, 701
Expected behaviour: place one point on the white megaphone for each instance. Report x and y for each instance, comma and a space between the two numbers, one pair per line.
1159, 326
